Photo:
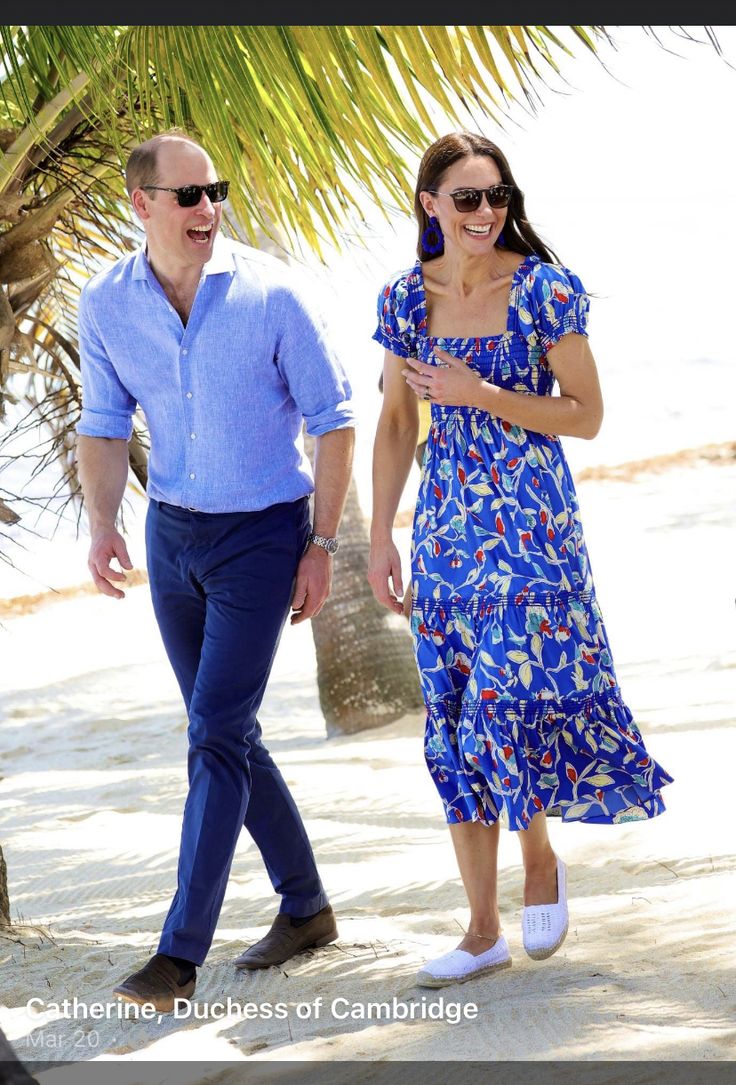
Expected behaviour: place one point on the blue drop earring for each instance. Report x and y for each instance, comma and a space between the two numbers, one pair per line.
433, 240
501, 240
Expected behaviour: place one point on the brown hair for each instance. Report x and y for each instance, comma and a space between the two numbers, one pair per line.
142, 165
518, 234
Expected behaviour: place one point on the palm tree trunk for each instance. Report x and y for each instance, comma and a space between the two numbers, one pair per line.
366, 671
4, 900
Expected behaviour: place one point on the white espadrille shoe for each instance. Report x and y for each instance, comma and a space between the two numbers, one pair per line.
459, 966
544, 926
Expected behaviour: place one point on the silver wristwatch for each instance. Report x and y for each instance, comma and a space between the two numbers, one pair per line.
330, 545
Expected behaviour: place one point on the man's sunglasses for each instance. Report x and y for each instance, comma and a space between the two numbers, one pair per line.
190, 195
469, 199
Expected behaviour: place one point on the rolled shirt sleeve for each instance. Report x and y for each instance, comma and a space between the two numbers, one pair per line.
309, 365
107, 406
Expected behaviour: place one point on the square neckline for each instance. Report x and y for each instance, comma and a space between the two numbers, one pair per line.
419, 272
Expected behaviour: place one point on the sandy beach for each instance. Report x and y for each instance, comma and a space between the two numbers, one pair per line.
92, 741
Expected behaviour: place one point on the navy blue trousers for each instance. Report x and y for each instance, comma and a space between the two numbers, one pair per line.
221, 585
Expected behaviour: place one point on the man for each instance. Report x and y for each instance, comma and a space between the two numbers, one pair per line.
216, 344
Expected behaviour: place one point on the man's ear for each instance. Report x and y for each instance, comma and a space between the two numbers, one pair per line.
140, 204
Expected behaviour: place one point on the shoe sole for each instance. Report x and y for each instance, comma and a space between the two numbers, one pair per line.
543, 954
425, 979
251, 966
138, 1000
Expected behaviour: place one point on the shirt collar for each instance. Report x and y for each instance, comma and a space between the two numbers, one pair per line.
220, 262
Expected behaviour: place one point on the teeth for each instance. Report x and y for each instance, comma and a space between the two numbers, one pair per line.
201, 229
480, 230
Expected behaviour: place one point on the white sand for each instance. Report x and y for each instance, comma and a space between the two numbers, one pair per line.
92, 735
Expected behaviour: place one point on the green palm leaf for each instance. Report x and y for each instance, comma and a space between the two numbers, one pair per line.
299, 118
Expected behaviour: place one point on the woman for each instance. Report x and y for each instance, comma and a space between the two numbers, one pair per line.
524, 712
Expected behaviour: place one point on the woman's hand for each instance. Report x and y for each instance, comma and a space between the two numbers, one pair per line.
384, 565
452, 384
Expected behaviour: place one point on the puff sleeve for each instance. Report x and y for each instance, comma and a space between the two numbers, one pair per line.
555, 304
396, 329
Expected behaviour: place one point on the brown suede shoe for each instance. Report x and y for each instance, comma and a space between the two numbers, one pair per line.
156, 983
284, 941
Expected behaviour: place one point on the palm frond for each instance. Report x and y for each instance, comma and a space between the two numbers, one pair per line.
302, 120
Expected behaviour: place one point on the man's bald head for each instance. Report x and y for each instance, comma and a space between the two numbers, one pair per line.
142, 167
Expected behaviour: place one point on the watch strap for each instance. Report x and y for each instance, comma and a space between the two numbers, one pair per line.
330, 545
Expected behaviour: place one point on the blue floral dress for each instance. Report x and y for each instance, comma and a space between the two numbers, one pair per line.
524, 711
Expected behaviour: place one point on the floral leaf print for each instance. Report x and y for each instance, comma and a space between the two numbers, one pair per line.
524, 710
525, 674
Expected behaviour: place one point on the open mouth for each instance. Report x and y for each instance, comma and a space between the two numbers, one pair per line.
200, 234
478, 231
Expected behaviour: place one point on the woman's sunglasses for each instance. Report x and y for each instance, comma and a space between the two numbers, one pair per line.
190, 195
469, 199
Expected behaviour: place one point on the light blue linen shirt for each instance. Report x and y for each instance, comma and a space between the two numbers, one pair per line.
225, 396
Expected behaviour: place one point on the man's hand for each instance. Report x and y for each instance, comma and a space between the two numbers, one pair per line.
106, 545
103, 472
313, 583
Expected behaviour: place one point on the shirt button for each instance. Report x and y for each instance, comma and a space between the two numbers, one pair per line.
193, 436
185, 351
189, 395
192, 476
